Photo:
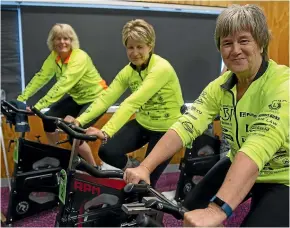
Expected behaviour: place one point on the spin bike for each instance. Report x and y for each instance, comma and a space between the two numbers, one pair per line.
89, 196
34, 183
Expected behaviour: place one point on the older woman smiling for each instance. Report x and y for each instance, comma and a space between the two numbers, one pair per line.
253, 103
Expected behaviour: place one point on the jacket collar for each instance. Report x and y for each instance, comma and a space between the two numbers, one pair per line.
144, 66
232, 81
57, 59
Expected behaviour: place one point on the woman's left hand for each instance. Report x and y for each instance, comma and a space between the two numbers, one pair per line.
210, 216
95, 131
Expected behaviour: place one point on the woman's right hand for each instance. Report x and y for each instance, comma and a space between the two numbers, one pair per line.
135, 175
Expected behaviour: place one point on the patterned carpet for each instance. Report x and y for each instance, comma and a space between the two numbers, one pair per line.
166, 182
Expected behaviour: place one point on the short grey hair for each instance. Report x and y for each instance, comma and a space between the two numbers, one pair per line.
62, 30
244, 18
139, 30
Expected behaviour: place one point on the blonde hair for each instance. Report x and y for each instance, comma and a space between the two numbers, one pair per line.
62, 30
244, 18
139, 30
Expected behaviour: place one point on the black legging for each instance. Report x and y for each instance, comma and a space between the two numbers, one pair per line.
131, 137
269, 205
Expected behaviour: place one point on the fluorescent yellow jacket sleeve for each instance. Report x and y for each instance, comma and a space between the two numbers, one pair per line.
105, 100
42, 77
200, 114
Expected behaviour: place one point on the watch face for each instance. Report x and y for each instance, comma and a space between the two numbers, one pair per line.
224, 206
218, 201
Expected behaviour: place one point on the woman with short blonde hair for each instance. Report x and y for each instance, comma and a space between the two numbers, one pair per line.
156, 99
76, 76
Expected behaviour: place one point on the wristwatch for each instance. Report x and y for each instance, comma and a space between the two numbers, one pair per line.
106, 137
223, 205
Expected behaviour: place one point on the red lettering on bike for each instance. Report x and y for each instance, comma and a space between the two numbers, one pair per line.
85, 187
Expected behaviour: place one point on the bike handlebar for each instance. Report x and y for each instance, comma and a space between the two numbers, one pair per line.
46, 117
142, 187
162, 204
176, 211
6, 105
69, 128
83, 165
42, 115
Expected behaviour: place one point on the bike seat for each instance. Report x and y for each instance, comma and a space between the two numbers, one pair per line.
101, 200
45, 163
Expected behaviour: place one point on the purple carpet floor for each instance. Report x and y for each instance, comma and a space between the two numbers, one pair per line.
167, 182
